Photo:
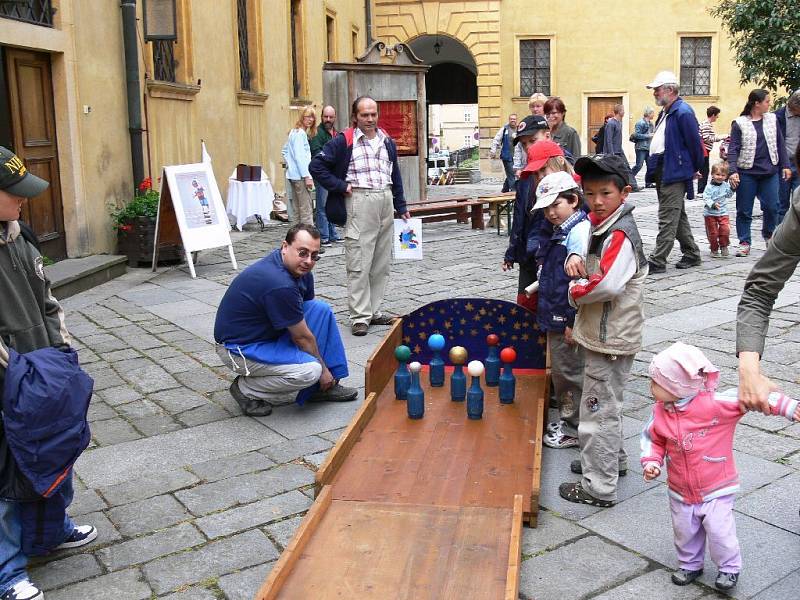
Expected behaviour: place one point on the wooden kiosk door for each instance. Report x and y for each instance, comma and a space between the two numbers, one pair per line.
30, 91
597, 110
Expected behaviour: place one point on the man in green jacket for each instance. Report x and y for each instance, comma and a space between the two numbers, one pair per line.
325, 132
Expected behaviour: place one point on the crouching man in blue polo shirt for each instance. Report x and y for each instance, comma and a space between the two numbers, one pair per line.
283, 345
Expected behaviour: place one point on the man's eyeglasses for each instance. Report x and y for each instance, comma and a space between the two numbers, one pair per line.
303, 253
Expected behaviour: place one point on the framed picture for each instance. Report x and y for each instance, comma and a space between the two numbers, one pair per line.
398, 118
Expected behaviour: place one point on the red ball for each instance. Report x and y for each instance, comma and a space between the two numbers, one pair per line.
508, 355
492, 339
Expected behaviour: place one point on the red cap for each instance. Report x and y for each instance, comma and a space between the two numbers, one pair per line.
538, 154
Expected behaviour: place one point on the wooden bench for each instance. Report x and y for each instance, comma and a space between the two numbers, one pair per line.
501, 203
459, 209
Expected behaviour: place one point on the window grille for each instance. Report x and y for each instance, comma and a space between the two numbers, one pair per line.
38, 12
164, 60
244, 49
696, 66
534, 67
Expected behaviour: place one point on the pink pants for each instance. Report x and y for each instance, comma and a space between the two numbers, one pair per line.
692, 523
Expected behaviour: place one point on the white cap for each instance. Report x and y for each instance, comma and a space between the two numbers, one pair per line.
551, 186
663, 78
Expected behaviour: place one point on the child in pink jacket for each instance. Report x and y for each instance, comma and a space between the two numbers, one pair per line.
691, 431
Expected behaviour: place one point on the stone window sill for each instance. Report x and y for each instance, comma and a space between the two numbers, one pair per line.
297, 102
172, 91
249, 98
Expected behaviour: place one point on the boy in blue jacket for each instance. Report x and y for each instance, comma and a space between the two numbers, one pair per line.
560, 199
30, 318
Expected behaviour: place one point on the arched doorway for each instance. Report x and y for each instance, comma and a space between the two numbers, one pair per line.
452, 93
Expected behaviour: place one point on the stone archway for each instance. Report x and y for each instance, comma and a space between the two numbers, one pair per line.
474, 23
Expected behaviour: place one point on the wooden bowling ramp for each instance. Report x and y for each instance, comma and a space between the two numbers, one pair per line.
430, 508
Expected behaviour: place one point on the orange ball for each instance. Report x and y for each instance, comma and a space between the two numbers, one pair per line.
492, 339
508, 355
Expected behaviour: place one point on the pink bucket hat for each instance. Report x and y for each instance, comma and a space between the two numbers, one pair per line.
684, 371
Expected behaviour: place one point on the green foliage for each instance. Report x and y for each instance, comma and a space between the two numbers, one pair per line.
144, 204
765, 38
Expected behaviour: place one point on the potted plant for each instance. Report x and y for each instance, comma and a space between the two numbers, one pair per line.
135, 223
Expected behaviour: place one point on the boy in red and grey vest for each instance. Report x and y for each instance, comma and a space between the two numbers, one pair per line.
609, 298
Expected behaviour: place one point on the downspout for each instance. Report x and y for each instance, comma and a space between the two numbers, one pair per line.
132, 81
368, 18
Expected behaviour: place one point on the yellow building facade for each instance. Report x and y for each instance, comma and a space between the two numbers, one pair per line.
596, 54
64, 108
63, 103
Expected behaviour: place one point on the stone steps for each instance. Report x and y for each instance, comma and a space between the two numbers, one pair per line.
74, 275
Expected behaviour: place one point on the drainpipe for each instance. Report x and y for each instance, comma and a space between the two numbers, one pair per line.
132, 80
368, 18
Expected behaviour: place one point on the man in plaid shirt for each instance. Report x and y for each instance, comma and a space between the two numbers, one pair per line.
359, 169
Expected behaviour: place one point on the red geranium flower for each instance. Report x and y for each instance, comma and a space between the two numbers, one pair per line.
146, 184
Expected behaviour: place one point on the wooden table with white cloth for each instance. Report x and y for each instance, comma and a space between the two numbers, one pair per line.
248, 199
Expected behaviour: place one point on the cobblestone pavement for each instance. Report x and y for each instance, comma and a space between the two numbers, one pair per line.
195, 501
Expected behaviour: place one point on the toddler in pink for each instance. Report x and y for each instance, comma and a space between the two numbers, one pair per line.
691, 431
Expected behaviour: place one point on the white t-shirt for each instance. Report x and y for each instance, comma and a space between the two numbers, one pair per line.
657, 144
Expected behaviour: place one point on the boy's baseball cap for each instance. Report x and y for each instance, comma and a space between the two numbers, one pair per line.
551, 186
607, 163
531, 125
15, 177
663, 78
540, 153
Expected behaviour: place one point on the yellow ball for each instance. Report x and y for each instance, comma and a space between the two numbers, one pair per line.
458, 355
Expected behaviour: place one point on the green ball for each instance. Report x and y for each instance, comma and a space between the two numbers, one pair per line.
402, 353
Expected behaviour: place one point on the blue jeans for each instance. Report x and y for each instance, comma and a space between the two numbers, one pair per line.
12, 560
327, 230
766, 188
641, 160
787, 188
509, 184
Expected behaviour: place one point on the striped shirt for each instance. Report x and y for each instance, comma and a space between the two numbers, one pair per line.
708, 134
370, 166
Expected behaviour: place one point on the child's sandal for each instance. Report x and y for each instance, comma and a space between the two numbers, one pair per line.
574, 492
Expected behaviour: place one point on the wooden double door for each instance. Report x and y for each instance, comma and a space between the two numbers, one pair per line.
597, 110
28, 90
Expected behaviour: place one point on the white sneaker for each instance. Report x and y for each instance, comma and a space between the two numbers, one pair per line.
80, 536
24, 590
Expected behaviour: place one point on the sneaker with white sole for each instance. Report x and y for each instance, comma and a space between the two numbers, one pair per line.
554, 426
560, 440
24, 590
743, 250
724, 252
80, 536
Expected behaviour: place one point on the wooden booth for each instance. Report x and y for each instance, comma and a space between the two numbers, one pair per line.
395, 78
429, 508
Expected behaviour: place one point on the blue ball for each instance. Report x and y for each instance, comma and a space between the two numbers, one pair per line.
436, 342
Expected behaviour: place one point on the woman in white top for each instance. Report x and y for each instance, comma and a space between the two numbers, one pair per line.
756, 158
297, 154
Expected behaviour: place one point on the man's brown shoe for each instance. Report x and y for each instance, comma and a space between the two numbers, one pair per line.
382, 319
359, 329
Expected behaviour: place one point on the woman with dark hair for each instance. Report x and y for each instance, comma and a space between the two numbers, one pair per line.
561, 133
757, 158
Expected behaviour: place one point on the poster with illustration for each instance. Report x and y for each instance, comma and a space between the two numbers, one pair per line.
191, 212
195, 194
408, 239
